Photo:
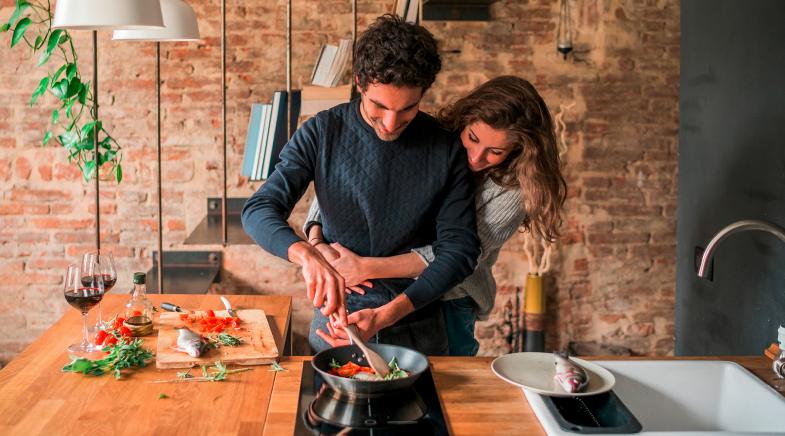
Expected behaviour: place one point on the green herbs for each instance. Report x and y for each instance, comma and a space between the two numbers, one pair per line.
395, 371
123, 355
225, 339
334, 364
217, 372
162, 396
277, 367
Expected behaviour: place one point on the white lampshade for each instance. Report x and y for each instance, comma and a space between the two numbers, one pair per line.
107, 14
179, 25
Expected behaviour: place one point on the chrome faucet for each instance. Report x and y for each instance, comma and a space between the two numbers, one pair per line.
741, 226
738, 226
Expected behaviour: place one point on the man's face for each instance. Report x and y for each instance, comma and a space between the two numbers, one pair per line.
389, 109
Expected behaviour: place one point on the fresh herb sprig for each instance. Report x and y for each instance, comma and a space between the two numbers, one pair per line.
225, 339
219, 373
123, 355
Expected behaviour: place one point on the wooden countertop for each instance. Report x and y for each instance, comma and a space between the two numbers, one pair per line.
36, 397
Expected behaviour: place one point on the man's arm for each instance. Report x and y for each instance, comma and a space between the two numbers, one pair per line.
265, 213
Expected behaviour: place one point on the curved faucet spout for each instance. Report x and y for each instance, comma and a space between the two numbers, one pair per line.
738, 226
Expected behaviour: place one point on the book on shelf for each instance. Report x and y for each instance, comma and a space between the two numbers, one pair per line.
252, 139
331, 64
261, 141
317, 98
267, 134
409, 10
412, 11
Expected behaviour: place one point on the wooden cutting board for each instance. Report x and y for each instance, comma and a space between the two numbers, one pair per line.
258, 347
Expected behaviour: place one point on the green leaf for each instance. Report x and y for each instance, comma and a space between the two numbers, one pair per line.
71, 71
82, 97
106, 143
74, 87
39, 90
162, 396
69, 139
54, 40
44, 58
57, 73
68, 105
4, 27
20, 29
87, 171
89, 128
55, 116
60, 88
38, 41
47, 136
20, 8
118, 173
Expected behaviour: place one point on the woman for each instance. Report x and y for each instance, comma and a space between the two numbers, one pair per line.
508, 134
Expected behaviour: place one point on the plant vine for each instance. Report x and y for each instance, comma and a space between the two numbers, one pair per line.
31, 23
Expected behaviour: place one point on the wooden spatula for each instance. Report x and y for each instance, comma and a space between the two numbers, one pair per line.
375, 361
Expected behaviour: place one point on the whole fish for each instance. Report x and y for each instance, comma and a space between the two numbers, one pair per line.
571, 377
189, 342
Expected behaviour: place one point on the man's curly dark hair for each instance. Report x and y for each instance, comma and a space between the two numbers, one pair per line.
394, 52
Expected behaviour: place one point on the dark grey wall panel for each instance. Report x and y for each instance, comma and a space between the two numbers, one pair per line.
731, 167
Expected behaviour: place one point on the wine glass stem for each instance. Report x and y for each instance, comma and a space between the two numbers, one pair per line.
85, 339
100, 322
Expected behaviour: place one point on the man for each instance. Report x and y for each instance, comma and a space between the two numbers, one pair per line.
388, 179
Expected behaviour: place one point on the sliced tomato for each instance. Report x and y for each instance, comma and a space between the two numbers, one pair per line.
210, 313
100, 336
109, 340
118, 322
184, 317
124, 331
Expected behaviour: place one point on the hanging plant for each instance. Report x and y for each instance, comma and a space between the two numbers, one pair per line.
31, 24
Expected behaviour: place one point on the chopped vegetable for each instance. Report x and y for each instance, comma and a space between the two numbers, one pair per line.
162, 396
353, 370
277, 368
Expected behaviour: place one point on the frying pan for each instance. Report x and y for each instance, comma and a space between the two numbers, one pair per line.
411, 361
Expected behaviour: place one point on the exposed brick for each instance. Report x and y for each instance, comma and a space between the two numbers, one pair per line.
616, 253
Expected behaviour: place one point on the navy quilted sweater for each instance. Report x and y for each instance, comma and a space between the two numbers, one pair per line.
378, 198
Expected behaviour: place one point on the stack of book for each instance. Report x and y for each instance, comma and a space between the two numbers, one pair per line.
331, 64
409, 10
267, 134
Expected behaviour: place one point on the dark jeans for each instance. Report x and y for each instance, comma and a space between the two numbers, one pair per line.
459, 316
425, 333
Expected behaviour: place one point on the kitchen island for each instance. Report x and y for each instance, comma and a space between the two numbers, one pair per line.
36, 397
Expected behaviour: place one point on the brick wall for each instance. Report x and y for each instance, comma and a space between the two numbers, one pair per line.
612, 283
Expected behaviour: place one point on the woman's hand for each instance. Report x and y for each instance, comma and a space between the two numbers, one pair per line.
366, 321
350, 266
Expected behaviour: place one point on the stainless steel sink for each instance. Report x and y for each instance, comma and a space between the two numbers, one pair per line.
688, 397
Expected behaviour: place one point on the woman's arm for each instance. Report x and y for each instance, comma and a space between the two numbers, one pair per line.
357, 269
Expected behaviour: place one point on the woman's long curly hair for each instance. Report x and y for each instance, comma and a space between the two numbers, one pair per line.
512, 104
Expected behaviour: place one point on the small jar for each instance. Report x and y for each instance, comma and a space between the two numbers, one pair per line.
139, 310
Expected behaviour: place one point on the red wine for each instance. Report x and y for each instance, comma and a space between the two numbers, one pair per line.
84, 298
109, 281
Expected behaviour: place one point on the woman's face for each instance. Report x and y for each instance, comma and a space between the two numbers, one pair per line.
485, 146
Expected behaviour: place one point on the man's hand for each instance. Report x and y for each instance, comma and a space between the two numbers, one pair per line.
324, 284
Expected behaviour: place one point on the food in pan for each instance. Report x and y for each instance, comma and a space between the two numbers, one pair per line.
359, 372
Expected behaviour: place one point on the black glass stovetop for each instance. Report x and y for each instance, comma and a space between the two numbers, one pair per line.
323, 411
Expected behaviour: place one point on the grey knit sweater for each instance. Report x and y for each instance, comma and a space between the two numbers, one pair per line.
499, 214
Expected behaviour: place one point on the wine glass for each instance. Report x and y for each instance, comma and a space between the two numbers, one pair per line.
94, 264
82, 297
